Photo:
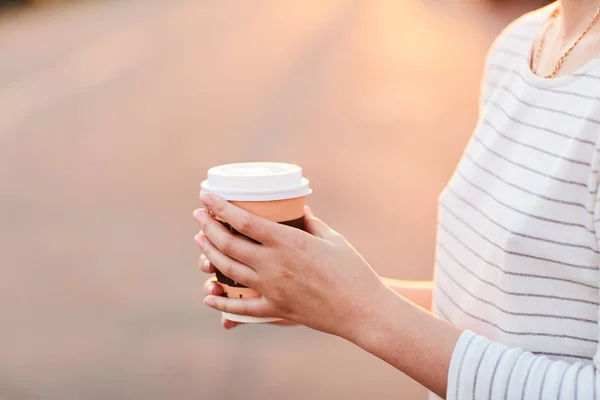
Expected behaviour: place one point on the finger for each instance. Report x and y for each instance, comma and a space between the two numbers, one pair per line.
235, 246
227, 324
254, 307
283, 322
257, 228
316, 227
212, 287
231, 268
205, 265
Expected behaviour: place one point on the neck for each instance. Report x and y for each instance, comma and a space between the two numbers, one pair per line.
575, 14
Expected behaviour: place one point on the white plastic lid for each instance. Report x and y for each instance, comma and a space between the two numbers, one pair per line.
256, 181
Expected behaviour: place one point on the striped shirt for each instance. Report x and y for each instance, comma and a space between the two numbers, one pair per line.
518, 236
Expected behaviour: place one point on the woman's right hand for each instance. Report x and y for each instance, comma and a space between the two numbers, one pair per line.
212, 287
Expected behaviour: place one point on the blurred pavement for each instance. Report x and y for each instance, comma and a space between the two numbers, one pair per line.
110, 114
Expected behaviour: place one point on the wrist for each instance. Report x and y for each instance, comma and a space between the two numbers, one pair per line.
372, 316
418, 292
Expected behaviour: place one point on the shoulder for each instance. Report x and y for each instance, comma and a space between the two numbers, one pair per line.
519, 35
512, 47
514, 44
530, 21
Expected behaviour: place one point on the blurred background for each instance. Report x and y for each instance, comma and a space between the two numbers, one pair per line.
112, 111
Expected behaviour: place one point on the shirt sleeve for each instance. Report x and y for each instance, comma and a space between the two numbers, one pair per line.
481, 369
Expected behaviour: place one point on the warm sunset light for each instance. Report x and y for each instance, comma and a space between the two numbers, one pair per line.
111, 114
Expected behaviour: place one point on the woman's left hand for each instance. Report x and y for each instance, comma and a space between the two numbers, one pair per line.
315, 278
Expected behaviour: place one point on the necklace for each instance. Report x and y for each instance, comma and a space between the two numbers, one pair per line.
561, 60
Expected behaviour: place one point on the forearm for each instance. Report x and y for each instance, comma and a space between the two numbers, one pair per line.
419, 292
408, 337
442, 357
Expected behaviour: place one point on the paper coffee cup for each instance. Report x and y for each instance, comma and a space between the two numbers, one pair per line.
275, 191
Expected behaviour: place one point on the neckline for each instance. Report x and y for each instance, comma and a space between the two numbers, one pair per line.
540, 81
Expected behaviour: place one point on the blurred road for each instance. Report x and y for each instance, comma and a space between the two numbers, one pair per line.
110, 114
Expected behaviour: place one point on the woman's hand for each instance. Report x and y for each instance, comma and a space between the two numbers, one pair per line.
212, 287
314, 278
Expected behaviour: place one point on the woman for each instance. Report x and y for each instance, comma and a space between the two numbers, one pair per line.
516, 283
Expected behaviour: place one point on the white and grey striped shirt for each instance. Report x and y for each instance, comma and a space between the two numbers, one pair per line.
518, 236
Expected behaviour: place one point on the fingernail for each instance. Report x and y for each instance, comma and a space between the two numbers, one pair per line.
201, 240
200, 215
204, 263
206, 199
210, 301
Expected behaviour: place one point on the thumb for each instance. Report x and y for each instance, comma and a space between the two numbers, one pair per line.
315, 226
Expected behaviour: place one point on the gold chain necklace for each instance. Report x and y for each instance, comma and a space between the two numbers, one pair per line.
561, 60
